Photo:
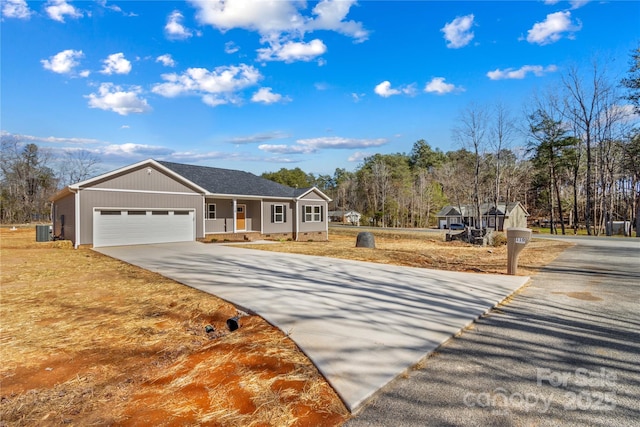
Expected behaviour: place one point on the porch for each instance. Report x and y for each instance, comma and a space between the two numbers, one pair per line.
232, 217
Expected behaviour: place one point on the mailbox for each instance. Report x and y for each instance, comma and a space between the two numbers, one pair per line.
517, 239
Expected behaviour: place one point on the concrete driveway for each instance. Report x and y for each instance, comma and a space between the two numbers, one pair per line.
361, 324
563, 352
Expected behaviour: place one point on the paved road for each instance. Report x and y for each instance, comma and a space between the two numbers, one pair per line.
564, 351
360, 323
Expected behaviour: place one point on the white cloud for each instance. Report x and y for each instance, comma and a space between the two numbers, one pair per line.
281, 24
384, 89
359, 156
552, 28
521, 73
49, 139
18, 9
312, 145
215, 87
114, 7
261, 137
331, 15
116, 64
437, 85
575, 4
131, 149
111, 97
174, 28
230, 47
84, 73
166, 60
458, 32
357, 97
266, 96
63, 62
292, 51
58, 9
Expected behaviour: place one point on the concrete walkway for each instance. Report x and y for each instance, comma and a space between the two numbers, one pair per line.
361, 324
565, 351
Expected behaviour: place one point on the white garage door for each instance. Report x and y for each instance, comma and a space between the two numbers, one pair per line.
116, 227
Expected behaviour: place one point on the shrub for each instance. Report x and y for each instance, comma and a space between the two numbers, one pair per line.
499, 239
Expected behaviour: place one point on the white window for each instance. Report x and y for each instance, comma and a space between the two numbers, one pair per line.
278, 214
211, 211
312, 213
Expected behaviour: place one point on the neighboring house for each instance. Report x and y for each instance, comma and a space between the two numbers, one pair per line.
156, 201
508, 215
345, 217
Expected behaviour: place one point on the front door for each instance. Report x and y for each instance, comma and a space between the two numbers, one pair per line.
240, 217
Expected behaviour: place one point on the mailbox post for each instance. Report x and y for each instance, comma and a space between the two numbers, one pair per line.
517, 239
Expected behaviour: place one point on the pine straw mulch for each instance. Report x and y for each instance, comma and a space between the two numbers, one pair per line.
89, 340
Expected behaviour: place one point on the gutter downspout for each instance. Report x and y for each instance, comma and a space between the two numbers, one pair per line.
297, 217
77, 219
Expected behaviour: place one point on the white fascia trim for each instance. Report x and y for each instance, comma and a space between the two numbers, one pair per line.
138, 208
120, 190
246, 197
317, 191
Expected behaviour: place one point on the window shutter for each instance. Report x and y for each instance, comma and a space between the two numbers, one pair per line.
273, 213
321, 213
304, 213
284, 213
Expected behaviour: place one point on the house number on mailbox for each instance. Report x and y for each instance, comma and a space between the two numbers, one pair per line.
521, 240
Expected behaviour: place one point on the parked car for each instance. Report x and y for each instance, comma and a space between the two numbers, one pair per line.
456, 227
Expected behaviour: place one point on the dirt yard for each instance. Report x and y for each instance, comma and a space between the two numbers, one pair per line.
88, 340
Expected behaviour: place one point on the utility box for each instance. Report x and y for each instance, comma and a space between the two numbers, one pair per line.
43, 233
517, 239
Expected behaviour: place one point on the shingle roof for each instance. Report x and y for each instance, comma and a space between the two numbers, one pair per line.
228, 181
485, 209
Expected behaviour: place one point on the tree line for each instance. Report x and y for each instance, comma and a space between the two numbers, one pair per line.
29, 176
578, 168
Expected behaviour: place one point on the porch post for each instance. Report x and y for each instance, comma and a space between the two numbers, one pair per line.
235, 216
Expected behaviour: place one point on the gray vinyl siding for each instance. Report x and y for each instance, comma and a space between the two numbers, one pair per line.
312, 226
65, 207
90, 199
275, 227
141, 180
314, 196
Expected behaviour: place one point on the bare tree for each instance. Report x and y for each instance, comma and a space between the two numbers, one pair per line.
502, 131
471, 132
77, 165
584, 107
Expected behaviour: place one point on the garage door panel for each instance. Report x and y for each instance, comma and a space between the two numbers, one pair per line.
122, 227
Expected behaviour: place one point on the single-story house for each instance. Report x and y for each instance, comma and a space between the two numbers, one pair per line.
508, 215
345, 217
157, 201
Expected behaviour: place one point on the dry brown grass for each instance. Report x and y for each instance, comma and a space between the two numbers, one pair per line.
89, 340
424, 249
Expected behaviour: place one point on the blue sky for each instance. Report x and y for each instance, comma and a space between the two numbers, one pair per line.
260, 85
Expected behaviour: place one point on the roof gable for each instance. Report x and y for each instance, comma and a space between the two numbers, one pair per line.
231, 182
